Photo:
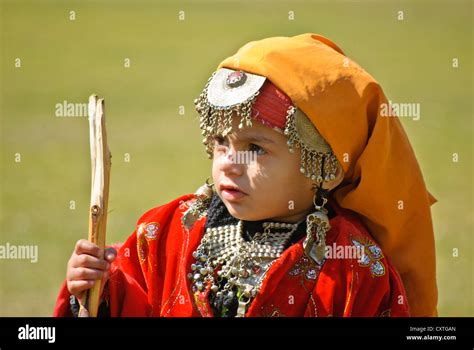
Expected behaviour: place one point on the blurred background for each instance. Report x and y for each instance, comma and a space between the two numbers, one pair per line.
149, 60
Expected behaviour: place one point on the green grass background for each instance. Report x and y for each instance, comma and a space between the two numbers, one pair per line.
170, 62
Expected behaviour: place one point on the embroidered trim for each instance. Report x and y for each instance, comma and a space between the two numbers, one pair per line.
372, 256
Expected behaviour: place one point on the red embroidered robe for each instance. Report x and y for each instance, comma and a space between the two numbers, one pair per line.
149, 276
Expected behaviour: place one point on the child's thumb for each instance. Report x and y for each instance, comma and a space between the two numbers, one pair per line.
110, 254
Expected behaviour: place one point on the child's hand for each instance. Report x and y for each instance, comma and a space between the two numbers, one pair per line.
88, 263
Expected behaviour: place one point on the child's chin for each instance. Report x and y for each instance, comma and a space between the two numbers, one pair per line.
237, 214
241, 213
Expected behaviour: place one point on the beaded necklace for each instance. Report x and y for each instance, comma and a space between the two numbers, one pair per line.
226, 263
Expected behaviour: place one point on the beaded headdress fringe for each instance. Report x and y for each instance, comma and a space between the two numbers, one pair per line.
317, 164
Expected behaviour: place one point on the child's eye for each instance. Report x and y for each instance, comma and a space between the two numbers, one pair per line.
220, 140
255, 148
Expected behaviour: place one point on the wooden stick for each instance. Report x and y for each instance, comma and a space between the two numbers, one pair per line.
100, 164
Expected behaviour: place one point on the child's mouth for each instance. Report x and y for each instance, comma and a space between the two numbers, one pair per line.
231, 194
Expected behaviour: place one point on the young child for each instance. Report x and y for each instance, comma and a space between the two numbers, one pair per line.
317, 200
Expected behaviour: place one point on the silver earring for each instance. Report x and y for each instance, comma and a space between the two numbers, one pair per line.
198, 207
317, 224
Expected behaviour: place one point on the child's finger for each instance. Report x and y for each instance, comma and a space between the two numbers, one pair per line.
83, 246
83, 273
77, 287
89, 261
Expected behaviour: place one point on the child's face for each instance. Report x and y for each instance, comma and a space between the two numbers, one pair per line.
271, 186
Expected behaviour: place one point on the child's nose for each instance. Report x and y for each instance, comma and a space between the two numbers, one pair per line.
228, 164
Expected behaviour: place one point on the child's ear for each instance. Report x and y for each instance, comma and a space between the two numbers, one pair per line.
329, 185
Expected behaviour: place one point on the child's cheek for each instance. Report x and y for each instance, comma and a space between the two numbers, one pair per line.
215, 170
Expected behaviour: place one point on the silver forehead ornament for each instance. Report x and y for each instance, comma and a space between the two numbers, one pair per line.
229, 92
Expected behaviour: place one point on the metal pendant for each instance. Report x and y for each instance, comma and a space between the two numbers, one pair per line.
241, 309
318, 252
198, 207
317, 224
229, 87
243, 302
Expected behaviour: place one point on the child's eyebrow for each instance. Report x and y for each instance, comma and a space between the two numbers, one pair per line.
255, 138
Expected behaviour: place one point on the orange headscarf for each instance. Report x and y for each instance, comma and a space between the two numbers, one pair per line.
383, 181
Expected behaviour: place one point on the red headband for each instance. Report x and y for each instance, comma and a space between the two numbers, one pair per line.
271, 106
